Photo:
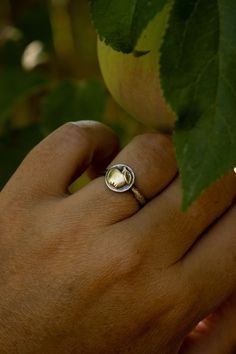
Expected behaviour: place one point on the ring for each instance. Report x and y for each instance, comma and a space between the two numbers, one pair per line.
120, 178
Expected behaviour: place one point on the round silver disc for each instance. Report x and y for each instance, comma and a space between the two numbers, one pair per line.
120, 178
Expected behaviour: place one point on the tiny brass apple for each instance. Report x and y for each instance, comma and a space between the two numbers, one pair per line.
118, 178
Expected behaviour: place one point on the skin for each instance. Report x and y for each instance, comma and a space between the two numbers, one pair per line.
93, 273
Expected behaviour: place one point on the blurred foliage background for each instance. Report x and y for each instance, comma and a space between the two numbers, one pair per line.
49, 75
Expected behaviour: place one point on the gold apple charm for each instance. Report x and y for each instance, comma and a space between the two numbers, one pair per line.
119, 178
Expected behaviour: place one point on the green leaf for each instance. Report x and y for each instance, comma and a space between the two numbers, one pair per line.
121, 22
72, 101
14, 145
16, 84
198, 74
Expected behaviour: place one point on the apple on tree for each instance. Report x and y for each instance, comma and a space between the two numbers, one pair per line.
133, 79
171, 64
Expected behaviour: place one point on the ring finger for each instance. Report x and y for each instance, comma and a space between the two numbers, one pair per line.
152, 159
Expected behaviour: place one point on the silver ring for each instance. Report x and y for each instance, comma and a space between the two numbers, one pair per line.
120, 178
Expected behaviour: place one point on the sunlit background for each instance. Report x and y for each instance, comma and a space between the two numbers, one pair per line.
49, 75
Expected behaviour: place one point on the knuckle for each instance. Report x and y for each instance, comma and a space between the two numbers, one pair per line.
74, 132
153, 139
155, 143
83, 128
131, 260
145, 139
123, 264
124, 259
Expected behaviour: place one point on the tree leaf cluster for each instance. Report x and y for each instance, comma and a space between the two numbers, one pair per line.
197, 73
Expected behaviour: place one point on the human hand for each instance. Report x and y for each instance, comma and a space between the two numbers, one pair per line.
92, 272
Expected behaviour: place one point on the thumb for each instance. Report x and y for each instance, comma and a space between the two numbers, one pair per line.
64, 155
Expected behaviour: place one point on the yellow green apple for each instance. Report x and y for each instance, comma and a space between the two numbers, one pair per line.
134, 80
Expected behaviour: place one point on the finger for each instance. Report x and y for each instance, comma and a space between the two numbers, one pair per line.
53, 164
151, 156
209, 269
174, 231
216, 334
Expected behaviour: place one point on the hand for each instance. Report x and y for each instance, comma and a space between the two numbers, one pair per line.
92, 272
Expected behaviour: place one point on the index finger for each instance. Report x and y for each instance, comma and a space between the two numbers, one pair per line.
65, 154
